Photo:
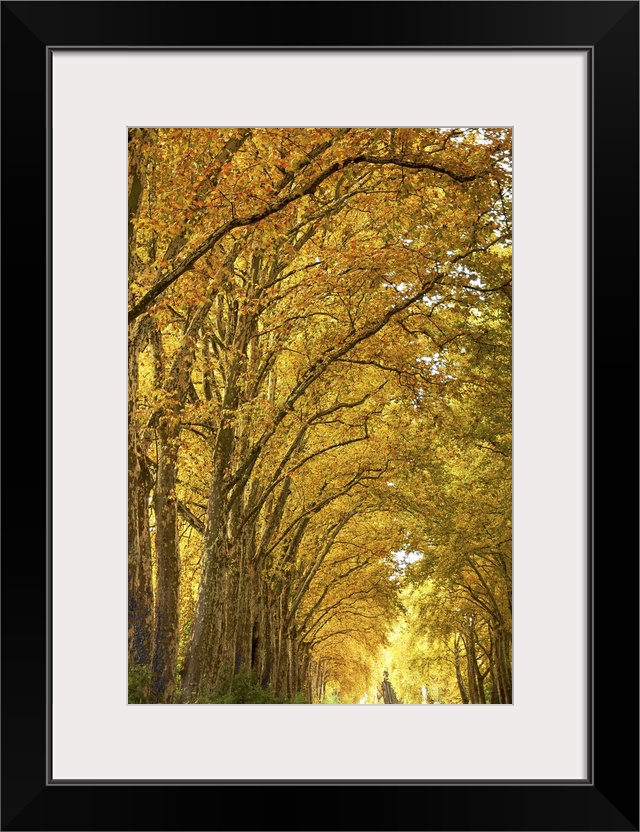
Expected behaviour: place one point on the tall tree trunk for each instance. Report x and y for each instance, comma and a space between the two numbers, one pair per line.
203, 657
501, 665
165, 654
474, 676
176, 386
264, 639
140, 583
463, 692
494, 698
140, 602
140, 587
202, 660
207, 642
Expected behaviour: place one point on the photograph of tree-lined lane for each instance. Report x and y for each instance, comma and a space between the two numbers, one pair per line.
319, 415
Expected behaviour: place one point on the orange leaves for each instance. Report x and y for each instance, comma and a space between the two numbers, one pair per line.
293, 299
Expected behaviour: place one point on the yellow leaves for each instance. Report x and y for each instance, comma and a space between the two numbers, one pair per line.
330, 270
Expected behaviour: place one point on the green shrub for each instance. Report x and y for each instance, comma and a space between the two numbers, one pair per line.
139, 681
244, 688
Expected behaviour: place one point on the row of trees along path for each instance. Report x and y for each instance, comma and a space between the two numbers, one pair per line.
319, 375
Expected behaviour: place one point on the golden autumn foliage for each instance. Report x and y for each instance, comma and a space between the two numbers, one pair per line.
319, 377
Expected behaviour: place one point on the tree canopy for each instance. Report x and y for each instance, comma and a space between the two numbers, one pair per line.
319, 387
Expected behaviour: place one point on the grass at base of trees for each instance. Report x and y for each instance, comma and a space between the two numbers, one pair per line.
243, 688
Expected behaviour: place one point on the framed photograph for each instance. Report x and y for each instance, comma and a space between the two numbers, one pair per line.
319, 499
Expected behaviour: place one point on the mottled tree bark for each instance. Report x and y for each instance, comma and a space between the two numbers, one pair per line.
140, 601
459, 678
140, 586
501, 664
165, 654
167, 631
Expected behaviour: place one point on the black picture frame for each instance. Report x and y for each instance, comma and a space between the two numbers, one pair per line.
608, 798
